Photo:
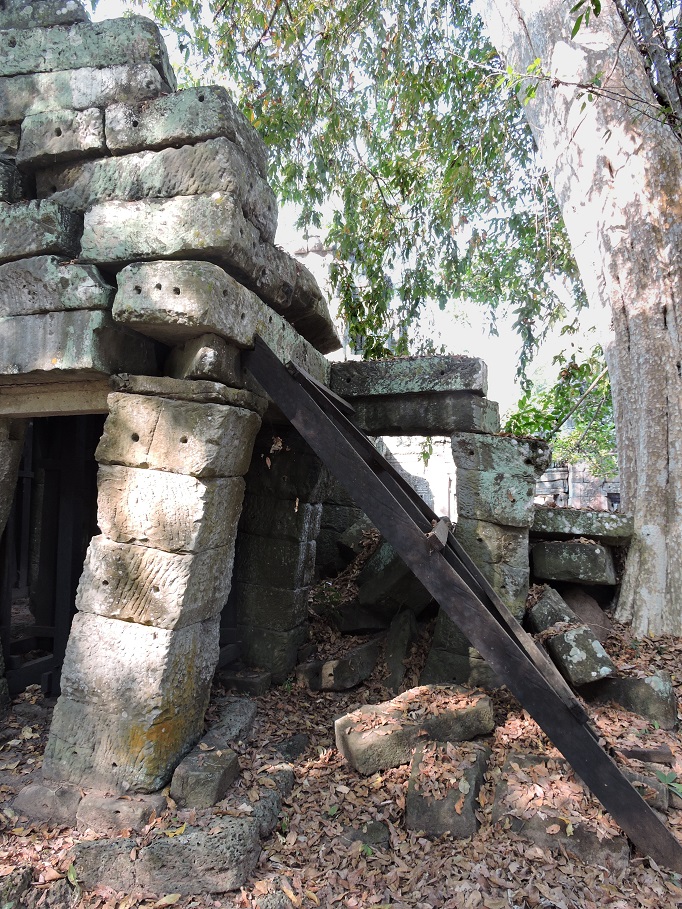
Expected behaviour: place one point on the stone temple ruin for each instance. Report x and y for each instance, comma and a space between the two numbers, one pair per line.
144, 476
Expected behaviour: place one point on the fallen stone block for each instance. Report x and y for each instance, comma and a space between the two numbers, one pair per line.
342, 673
293, 520
351, 617
276, 608
57, 136
439, 413
352, 540
177, 301
83, 344
266, 811
167, 511
409, 375
550, 609
35, 228
588, 611
56, 805
252, 682
15, 885
204, 777
77, 89
448, 660
237, 718
209, 227
585, 563
184, 117
377, 737
11, 186
110, 815
105, 862
207, 357
113, 42
153, 587
28, 14
652, 790
564, 523
271, 562
495, 496
216, 165
505, 454
402, 633
653, 697
493, 543
49, 283
199, 440
276, 651
442, 793
387, 586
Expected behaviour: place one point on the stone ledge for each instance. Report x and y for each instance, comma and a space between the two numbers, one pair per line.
564, 523
409, 375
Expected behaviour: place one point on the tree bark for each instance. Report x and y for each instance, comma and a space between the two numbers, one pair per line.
616, 168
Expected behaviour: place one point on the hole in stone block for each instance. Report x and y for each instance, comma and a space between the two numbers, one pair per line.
135, 123
53, 189
57, 131
138, 289
155, 589
113, 763
201, 97
183, 439
105, 583
157, 286
12, 42
225, 292
176, 291
270, 320
135, 437
242, 316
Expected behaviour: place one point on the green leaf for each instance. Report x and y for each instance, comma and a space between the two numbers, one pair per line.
71, 875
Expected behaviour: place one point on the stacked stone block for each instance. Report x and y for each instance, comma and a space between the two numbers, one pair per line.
275, 558
144, 643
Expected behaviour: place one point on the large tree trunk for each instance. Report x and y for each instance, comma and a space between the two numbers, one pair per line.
616, 168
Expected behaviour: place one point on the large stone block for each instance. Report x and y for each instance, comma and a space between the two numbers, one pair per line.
34, 228
492, 543
564, 523
387, 586
152, 587
511, 584
29, 13
274, 608
195, 392
201, 440
216, 165
504, 454
167, 511
132, 704
9, 139
409, 375
203, 778
206, 357
263, 516
494, 496
130, 40
209, 227
272, 562
50, 283
11, 187
177, 301
275, 650
426, 413
185, 117
76, 344
77, 89
284, 467
586, 563
60, 135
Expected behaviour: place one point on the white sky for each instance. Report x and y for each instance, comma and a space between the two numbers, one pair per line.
470, 336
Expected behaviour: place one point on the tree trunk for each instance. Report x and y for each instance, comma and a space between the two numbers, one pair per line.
616, 168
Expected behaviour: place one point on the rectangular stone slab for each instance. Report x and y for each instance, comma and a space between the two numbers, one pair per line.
271, 562
426, 413
130, 40
506, 454
129, 743
409, 375
60, 135
183, 118
9, 139
37, 227
77, 89
29, 13
50, 283
275, 650
289, 519
79, 344
152, 587
197, 391
10, 183
167, 510
564, 523
488, 542
488, 495
177, 301
217, 165
274, 608
201, 440
581, 563
213, 228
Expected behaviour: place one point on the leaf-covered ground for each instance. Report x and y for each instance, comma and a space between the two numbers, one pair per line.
312, 860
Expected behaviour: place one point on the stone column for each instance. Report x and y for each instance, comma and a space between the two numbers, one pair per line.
144, 642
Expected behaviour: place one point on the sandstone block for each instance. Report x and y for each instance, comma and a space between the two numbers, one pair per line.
152, 587
387, 586
440, 413
29, 14
77, 89
449, 657
252, 682
511, 584
167, 511
276, 651
564, 523
216, 165
9, 139
80, 344
112, 42
209, 227
11, 188
451, 808
409, 375
493, 543
185, 117
194, 392
284, 467
49, 283
380, 736
572, 561
204, 777
653, 697
37, 227
504, 454
276, 608
588, 612
579, 656
178, 301
549, 610
60, 135
264, 516
108, 814
207, 357
56, 805
271, 562
235, 724
200, 440
342, 673
402, 633
494, 496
